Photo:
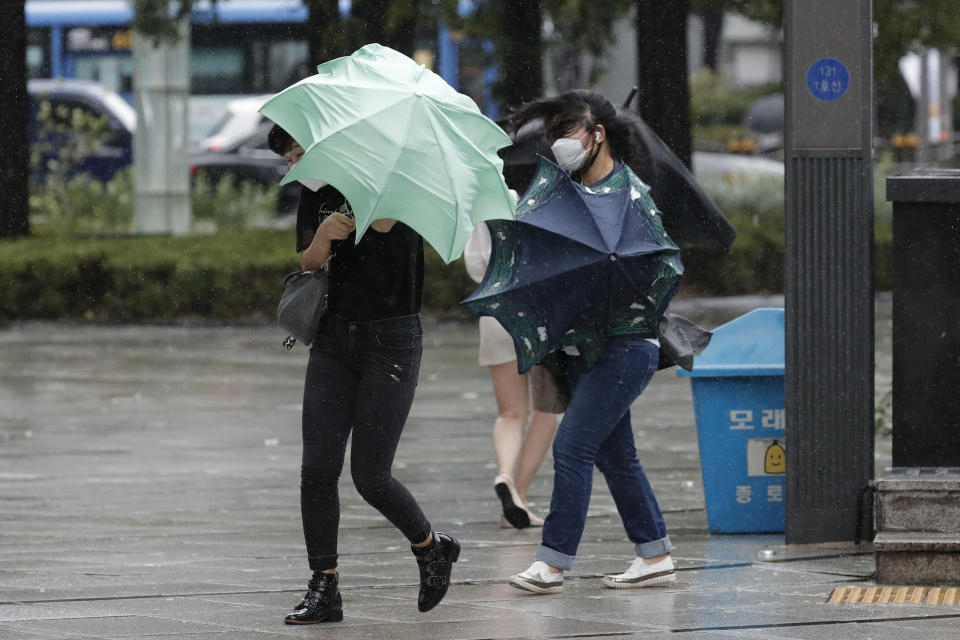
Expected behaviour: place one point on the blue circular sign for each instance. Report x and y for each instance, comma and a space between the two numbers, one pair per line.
828, 79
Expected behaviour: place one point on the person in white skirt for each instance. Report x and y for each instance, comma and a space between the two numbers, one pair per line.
519, 455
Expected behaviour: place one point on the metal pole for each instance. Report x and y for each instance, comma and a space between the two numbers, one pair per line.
829, 240
923, 110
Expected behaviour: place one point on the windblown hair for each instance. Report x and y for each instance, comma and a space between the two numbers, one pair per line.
566, 112
279, 140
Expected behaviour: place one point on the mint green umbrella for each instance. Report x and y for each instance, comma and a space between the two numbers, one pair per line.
399, 143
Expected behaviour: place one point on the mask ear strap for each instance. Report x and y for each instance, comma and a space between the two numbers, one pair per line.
593, 158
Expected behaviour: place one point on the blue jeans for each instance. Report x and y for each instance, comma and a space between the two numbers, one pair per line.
596, 431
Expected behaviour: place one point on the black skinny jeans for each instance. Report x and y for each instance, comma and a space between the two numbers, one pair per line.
361, 377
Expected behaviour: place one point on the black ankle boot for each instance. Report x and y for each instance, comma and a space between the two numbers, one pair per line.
435, 560
321, 604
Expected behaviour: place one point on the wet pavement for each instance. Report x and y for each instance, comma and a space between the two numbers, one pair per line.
149, 489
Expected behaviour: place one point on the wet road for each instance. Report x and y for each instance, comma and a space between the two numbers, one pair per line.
149, 489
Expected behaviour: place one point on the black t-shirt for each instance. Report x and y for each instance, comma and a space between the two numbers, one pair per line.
381, 277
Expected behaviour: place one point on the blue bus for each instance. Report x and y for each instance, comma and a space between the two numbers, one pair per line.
238, 47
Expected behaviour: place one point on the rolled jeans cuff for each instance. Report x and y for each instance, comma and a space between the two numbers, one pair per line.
554, 558
655, 548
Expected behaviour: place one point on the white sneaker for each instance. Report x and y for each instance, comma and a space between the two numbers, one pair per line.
538, 579
641, 574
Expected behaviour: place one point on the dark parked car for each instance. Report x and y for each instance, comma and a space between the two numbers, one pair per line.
85, 127
248, 160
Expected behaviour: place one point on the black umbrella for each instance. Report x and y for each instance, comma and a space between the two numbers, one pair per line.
689, 215
765, 115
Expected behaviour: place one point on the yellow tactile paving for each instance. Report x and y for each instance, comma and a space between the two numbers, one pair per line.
837, 596
895, 595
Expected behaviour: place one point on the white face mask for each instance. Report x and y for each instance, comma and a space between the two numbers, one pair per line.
313, 185
570, 153
292, 157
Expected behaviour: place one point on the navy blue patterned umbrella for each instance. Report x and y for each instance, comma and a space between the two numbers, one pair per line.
577, 262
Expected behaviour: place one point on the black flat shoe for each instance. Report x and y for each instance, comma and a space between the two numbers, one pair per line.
322, 603
515, 514
436, 562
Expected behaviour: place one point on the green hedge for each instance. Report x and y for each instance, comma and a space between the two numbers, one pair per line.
755, 262
231, 275
237, 274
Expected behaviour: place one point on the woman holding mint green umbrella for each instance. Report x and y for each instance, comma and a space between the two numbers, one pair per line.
360, 382
592, 143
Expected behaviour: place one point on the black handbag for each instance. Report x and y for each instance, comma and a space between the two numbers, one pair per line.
303, 305
680, 339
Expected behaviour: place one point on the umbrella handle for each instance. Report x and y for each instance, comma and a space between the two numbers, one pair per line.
626, 103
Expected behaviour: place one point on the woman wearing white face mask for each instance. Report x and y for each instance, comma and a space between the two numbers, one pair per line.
605, 374
571, 151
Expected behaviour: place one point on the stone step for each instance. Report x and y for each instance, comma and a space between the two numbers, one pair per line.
918, 500
938, 542
917, 558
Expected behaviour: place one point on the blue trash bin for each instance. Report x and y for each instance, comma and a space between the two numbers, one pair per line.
738, 403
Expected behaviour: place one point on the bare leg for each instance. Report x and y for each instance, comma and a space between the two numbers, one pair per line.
535, 445
510, 390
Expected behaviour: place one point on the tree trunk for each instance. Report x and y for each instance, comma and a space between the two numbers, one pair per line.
712, 30
370, 16
521, 52
375, 24
14, 121
326, 33
662, 75
403, 35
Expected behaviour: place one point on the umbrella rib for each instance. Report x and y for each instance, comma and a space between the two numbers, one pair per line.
287, 94
450, 105
442, 109
446, 169
396, 159
545, 278
348, 124
293, 174
485, 155
376, 69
